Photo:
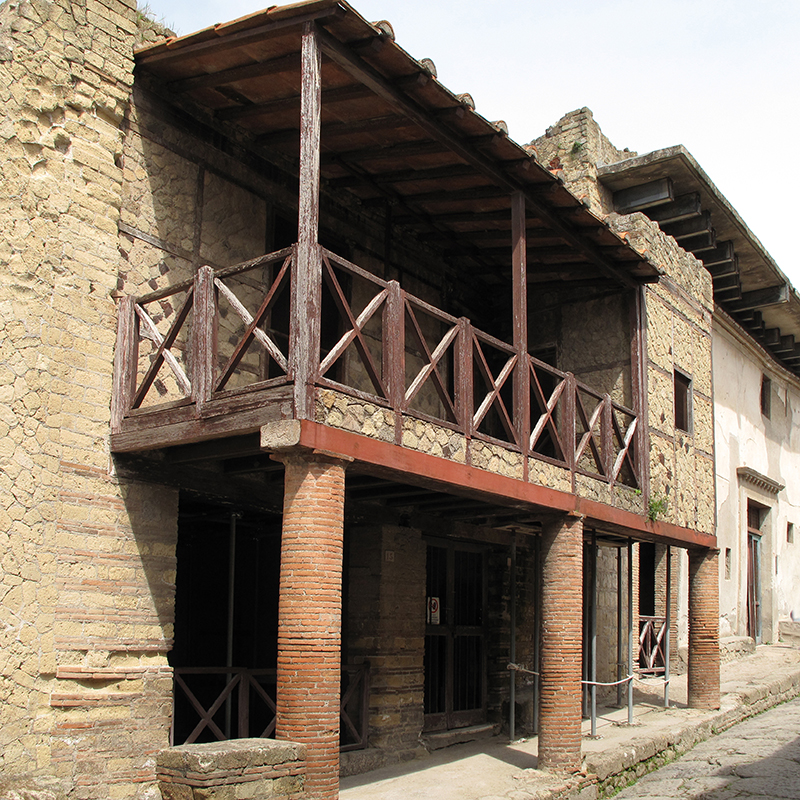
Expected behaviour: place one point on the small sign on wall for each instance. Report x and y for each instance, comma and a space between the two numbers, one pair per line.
433, 611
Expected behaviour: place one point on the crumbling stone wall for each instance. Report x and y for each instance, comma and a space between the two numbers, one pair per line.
88, 559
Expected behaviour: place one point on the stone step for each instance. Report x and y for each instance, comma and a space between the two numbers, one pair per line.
440, 739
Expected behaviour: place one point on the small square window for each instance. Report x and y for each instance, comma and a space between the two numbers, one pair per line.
766, 396
790, 532
683, 402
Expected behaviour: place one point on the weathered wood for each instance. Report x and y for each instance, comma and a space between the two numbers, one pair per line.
393, 352
493, 397
241, 38
688, 228
225, 77
125, 361
306, 296
723, 268
645, 195
519, 311
162, 350
786, 345
463, 377
355, 334
330, 97
639, 379
204, 334
723, 253
606, 438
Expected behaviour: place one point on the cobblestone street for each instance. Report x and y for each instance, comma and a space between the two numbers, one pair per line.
758, 758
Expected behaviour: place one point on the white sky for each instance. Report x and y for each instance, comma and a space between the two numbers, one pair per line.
721, 77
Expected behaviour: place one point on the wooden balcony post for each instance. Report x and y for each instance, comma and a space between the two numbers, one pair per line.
519, 271
306, 299
125, 360
639, 387
203, 336
463, 378
394, 334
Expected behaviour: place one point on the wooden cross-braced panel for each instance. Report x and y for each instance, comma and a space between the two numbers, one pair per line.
255, 331
589, 410
425, 326
150, 327
353, 324
547, 388
624, 423
494, 363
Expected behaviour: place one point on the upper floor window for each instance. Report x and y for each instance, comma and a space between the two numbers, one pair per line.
766, 396
683, 402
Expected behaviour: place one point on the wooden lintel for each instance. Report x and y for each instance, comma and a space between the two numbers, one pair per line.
464, 149
761, 298
645, 195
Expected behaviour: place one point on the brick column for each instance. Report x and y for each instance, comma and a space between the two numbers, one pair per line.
309, 616
561, 652
703, 679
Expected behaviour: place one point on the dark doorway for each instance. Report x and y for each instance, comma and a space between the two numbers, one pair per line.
226, 619
455, 647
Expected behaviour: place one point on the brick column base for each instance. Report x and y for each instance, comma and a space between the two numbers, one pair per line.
703, 678
309, 617
561, 653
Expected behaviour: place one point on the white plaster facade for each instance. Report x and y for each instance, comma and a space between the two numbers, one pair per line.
750, 444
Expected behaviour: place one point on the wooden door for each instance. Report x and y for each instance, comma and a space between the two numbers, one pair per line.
455, 650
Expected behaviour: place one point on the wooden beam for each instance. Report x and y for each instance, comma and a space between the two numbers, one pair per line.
239, 39
214, 450
406, 175
761, 298
685, 206
420, 147
645, 195
724, 268
519, 323
335, 129
721, 254
225, 77
689, 227
464, 149
306, 294
330, 97
785, 346
453, 195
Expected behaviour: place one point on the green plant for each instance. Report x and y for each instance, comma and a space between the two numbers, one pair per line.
656, 507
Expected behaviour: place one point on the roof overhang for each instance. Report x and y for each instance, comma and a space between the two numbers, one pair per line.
393, 134
754, 291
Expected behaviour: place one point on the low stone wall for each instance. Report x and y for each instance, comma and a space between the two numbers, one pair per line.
240, 769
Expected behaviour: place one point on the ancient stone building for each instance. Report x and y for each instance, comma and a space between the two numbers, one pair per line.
323, 402
756, 363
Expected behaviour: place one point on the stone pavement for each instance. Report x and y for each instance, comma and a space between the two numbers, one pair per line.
497, 770
759, 758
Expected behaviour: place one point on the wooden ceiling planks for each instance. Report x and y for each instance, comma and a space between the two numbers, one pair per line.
390, 130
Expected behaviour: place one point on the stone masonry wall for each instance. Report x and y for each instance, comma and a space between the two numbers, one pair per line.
678, 317
88, 561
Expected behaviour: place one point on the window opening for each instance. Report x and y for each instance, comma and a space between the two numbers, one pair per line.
683, 402
789, 532
766, 396
727, 563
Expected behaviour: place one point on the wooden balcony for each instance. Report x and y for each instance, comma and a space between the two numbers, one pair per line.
219, 356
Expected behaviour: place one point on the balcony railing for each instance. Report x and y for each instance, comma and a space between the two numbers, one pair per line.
227, 334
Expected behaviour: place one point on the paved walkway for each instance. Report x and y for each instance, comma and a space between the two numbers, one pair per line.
758, 758
497, 770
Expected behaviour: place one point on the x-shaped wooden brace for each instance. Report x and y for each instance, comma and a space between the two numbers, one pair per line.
588, 437
206, 717
431, 368
270, 703
355, 334
148, 330
354, 683
252, 331
494, 393
625, 445
546, 407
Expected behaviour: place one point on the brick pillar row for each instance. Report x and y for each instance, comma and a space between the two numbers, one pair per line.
561, 653
309, 616
703, 678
